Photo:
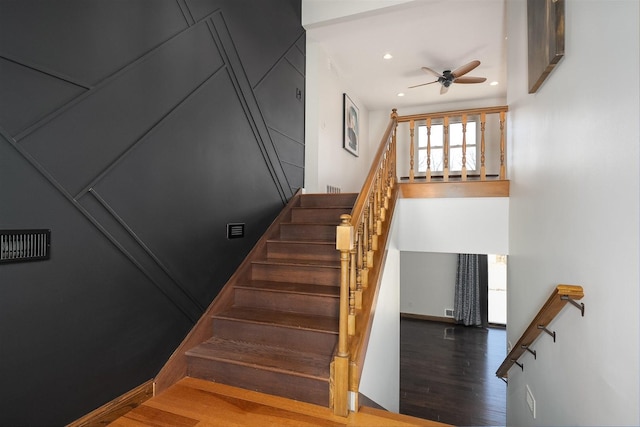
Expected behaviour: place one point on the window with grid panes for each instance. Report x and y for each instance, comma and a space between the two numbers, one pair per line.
455, 147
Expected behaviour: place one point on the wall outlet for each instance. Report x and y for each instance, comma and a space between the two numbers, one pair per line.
448, 312
531, 402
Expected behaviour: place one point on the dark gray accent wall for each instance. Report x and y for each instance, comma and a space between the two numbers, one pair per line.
134, 130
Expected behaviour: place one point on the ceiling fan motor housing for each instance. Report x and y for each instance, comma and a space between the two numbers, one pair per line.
446, 79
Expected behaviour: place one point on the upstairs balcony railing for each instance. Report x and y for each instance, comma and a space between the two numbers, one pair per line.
454, 145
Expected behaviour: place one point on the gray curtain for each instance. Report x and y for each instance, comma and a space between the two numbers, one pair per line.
467, 296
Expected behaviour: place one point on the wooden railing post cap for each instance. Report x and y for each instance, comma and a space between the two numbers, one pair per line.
344, 234
394, 113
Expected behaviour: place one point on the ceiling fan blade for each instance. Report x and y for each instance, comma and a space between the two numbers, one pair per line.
470, 79
423, 84
430, 71
461, 71
443, 89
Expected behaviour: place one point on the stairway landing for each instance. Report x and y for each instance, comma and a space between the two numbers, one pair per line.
194, 402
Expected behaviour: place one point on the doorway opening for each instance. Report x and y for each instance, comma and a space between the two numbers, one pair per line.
497, 283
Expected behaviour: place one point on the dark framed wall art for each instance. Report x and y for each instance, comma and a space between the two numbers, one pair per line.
350, 138
545, 26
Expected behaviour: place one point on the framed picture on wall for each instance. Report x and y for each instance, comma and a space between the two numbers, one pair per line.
351, 133
545, 27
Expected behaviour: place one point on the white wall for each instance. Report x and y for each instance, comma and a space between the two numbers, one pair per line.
326, 162
477, 225
574, 217
427, 282
380, 379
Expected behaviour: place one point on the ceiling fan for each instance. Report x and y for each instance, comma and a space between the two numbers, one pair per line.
456, 76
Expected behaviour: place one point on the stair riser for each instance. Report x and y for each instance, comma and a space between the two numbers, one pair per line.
296, 274
324, 200
302, 251
293, 231
309, 390
280, 301
310, 341
319, 215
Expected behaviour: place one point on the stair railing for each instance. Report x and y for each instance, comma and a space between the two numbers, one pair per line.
361, 238
560, 296
488, 139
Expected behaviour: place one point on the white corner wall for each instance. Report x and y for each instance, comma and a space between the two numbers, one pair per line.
574, 169
326, 162
380, 379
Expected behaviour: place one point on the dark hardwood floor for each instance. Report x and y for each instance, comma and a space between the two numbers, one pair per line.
447, 373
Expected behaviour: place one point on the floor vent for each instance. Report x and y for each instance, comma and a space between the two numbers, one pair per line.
450, 334
332, 189
24, 245
235, 230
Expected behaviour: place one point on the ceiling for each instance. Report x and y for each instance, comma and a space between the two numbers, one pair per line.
439, 34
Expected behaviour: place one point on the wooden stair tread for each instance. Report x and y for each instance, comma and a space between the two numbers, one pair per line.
298, 263
328, 199
327, 223
280, 318
328, 207
273, 358
304, 242
298, 288
319, 214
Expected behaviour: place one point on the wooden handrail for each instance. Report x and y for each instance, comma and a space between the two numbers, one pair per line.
367, 187
556, 301
359, 238
453, 113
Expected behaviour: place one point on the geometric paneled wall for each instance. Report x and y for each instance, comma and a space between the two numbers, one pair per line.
135, 131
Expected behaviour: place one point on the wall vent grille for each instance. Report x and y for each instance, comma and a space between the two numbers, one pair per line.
333, 189
24, 245
235, 230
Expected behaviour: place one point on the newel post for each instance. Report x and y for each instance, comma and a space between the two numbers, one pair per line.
345, 244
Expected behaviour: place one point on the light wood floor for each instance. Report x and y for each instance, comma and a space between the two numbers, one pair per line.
194, 402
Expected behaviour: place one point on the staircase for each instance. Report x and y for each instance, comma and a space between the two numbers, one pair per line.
278, 333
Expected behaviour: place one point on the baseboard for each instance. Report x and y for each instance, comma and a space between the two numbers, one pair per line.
365, 401
429, 318
119, 406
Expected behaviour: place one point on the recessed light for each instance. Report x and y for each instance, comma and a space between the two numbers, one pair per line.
493, 84
387, 56
401, 94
